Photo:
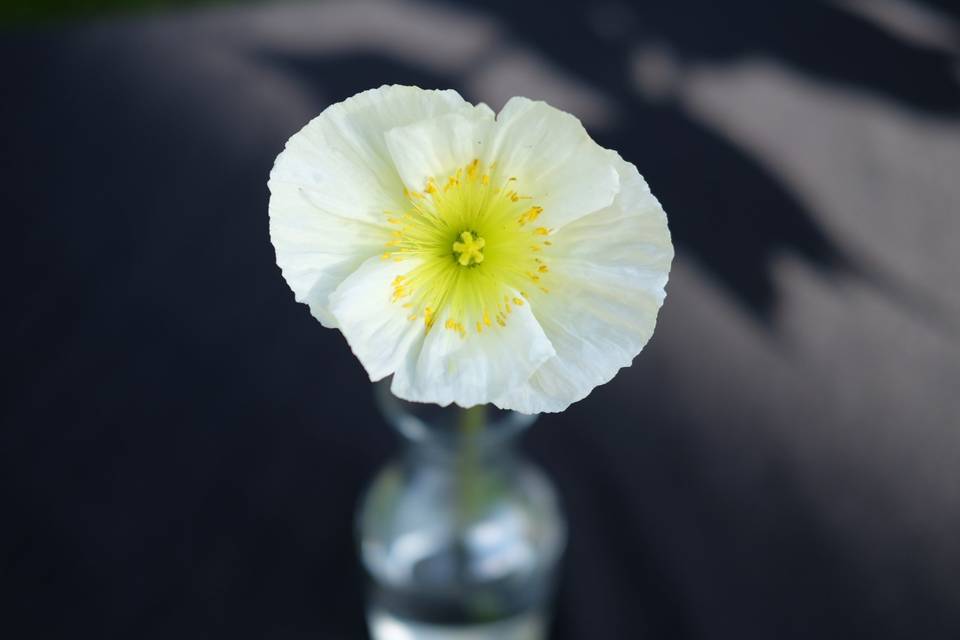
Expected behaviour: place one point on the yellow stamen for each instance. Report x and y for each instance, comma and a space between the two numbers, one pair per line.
530, 215
483, 227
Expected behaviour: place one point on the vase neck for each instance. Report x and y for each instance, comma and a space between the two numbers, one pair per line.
450, 430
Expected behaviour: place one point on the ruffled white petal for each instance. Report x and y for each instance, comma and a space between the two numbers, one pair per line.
473, 370
376, 329
432, 148
610, 269
332, 183
357, 126
554, 160
316, 250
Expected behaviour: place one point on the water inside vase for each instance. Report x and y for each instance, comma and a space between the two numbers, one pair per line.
526, 626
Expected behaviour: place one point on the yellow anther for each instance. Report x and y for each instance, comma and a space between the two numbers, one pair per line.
541, 231
530, 215
479, 327
543, 268
518, 302
486, 318
485, 179
470, 250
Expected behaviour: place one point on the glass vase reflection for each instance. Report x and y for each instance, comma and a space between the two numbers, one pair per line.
460, 536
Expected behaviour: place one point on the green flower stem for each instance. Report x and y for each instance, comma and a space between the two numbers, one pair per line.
470, 426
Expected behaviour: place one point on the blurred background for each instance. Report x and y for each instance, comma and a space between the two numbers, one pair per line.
182, 445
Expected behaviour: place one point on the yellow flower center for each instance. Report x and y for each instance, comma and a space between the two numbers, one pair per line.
470, 250
473, 248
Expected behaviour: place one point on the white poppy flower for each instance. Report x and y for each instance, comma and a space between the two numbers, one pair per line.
477, 258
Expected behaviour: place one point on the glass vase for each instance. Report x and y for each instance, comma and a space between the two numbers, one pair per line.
460, 536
